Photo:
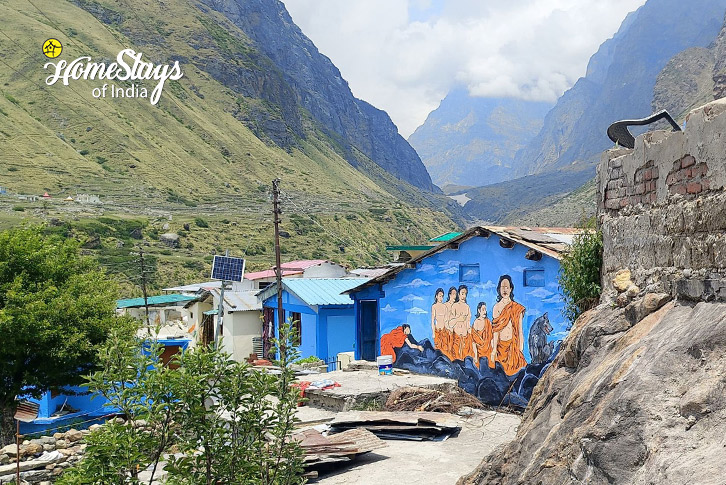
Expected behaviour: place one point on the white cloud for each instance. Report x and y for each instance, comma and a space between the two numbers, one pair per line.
387, 308
540, 293
519, 269
410, 297
554, 299
417, 283
417, 311
403, 56
425, 267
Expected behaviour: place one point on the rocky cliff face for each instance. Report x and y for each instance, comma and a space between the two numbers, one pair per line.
317, 89
625, 404
473, 141
619, 81
637, 394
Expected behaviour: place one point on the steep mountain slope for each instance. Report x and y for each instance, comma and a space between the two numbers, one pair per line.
471, 140
322, 91
512, 201
619, 81
211, 145
692, 78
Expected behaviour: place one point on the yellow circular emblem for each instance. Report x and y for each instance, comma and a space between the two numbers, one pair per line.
52, 48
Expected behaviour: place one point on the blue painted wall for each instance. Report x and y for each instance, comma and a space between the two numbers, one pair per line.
478, 263
409, 296
88, 406
326, 330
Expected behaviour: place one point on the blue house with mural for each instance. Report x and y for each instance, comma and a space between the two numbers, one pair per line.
323, 314
483, 307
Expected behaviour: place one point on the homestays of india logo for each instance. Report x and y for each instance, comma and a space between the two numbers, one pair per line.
129, 66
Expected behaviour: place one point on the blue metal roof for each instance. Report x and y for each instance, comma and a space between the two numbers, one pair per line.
155, 300
320, 291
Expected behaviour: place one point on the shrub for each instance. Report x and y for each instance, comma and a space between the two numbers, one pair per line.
210, 417
200, 222
18, 208
580, 273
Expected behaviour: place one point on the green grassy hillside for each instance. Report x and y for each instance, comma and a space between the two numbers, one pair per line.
197, 154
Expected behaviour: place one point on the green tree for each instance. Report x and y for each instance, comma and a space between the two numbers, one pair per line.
225, 421
580, 272
56, 309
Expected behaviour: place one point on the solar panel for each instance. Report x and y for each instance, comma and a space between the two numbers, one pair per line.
226, 268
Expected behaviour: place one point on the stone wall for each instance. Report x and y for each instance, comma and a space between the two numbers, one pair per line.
43, 459
662, 209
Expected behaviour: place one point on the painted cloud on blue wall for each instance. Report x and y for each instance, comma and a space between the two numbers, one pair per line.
417, 283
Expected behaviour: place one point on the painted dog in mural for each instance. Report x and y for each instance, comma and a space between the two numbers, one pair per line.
539, 349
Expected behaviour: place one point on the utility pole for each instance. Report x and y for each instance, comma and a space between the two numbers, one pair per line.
143, 286
278, 265
220, 311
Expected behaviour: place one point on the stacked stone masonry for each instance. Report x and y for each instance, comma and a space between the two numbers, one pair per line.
662, 209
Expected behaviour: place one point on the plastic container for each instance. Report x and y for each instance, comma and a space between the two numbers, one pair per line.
385, 365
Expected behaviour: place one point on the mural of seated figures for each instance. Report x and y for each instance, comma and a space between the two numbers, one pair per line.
485, 313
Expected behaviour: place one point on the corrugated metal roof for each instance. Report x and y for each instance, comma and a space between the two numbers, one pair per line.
289, 268
155, 300
445, 237
542, 239
193, 288
318, 291
240, 301
410, 248
26, 411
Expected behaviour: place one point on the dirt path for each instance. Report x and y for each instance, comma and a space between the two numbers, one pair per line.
411, 462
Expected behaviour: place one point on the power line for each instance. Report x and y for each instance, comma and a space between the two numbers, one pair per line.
349, 243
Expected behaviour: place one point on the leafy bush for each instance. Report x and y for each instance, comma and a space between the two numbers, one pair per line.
200, 222
210, 417
580, 273
18, 208
309, 360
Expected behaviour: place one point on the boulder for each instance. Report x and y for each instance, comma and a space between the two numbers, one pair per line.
10, 450
621, 281
170, 239
642, 405
32, 448
73, 435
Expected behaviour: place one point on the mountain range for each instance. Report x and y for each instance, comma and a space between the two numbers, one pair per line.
473, 141
257, 101
659, 58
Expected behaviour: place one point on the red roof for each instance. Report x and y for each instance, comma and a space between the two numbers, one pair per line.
289, 268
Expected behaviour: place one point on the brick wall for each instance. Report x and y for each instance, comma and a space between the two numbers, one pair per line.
662, 209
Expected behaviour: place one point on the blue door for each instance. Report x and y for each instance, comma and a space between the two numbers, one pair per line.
369, 329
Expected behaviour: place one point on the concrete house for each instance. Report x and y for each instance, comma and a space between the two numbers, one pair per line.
325, 316
483, 306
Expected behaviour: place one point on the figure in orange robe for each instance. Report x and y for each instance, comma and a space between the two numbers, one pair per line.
396, 338
460, 323
446, 335
460, 346
508, 339
481, 335
439, 320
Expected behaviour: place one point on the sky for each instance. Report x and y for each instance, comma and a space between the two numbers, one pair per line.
404, 56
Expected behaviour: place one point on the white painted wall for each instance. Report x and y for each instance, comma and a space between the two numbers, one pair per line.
239, 330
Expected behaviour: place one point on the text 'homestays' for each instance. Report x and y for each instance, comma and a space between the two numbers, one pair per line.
128, 67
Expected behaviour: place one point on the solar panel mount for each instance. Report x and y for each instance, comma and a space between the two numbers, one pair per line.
227, 268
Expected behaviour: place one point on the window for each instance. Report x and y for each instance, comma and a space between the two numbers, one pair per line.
297, 328
469, 273
534, 277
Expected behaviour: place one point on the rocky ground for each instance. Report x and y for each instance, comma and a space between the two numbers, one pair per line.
637, 395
